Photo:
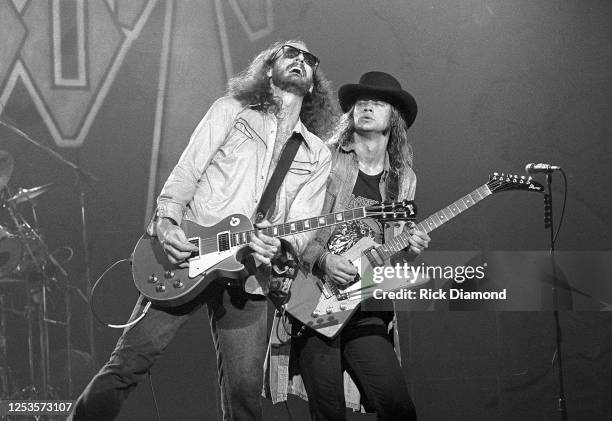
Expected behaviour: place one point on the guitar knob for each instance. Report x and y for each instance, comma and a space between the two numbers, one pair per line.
329, 310
169, 274
342, 307
178, 284
315, 314
153, 278
160, 288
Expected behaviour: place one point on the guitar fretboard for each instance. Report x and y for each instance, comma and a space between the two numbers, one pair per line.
434, 221
296, 227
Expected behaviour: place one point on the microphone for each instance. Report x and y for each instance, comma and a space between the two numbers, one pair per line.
540, 168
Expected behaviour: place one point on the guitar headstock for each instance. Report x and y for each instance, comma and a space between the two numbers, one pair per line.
503, 182
405, 210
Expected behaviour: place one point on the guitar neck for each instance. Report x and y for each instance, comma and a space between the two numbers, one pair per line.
436, 220
296, 227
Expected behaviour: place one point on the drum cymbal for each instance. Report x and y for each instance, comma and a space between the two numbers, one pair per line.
23, 195
6, 167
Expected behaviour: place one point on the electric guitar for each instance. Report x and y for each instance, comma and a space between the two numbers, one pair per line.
222, 248
323, 306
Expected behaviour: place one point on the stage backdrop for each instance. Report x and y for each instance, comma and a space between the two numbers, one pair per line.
117, 86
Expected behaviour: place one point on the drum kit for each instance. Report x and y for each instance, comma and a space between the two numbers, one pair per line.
28, 271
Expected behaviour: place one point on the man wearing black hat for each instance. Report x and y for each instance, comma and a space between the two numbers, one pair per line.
371, 162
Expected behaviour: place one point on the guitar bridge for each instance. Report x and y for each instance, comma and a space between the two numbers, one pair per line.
342, 296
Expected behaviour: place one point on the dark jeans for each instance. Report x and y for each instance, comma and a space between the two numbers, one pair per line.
367, 353
238, 325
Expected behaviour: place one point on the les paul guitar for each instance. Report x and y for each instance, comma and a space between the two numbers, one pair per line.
323, 306
222, 248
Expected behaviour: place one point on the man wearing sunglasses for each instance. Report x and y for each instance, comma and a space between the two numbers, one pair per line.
372, 161
224, 170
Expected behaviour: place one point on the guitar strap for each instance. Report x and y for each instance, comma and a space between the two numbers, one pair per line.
268, 198
283, 268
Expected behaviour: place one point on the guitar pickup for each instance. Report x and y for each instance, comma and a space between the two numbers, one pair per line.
196, 242
342, 296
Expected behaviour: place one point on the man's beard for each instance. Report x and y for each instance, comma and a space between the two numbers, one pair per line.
298, 86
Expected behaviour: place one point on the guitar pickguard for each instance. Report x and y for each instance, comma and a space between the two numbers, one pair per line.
198, 265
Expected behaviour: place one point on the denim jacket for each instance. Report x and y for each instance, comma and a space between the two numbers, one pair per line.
345, 168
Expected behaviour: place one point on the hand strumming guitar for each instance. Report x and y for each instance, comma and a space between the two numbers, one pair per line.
174, 242
419, 241
339, 269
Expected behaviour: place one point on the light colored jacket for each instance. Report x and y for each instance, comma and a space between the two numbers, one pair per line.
225, 168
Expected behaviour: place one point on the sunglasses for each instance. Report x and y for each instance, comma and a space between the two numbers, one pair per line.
289, 51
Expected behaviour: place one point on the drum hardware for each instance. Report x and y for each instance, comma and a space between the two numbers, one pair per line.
36, 307
4, 367
83, 178
24, 256
25, 195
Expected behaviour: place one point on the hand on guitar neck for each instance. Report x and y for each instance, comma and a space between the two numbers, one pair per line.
419, 240
174, 242
264, 247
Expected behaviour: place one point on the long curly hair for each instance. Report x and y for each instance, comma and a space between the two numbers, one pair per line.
399, 148
320, 109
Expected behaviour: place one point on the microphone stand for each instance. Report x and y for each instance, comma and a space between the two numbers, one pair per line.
81, 175
548, 223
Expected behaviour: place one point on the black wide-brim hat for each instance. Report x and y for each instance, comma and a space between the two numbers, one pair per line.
379, 85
